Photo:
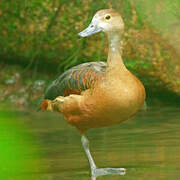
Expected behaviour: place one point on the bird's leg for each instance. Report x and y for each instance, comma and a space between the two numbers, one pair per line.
95, 172
85, 143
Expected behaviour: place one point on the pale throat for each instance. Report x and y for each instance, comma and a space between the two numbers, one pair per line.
115, 42
114, 61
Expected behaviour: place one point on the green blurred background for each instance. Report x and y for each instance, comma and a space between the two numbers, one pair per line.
19, 155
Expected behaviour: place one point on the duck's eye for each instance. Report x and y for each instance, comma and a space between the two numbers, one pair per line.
108, 17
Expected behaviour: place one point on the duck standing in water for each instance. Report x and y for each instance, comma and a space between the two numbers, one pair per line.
96, 94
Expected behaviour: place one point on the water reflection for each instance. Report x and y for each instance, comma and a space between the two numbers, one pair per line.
147, 146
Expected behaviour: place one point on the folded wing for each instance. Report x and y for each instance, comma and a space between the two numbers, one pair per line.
76, 80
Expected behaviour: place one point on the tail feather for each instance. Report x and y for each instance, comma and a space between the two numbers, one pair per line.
44, 104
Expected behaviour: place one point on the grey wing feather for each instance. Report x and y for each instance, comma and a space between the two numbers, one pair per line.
76, 79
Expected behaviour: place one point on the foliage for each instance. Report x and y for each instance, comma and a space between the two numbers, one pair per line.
42, 34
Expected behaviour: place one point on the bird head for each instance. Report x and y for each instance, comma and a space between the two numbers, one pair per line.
106, 20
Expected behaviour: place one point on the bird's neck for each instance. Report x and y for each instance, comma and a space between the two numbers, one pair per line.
114, 62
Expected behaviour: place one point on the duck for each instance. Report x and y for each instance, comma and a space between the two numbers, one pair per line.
97, 94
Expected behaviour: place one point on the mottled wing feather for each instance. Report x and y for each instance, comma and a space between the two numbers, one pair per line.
76, 80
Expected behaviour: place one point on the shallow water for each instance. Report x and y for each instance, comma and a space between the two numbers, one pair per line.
148, 146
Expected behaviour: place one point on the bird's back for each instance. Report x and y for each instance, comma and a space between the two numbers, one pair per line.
76, 80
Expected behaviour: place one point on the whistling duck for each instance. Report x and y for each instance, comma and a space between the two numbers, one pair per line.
96, 94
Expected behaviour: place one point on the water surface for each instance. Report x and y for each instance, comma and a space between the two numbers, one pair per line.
148, 146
